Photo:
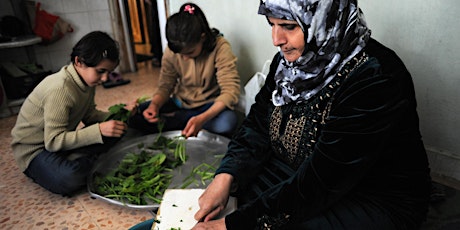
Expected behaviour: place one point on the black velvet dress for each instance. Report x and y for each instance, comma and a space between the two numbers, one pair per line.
349, 158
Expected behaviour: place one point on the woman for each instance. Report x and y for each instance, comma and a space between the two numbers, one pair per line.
198, 69
46, 144
333, 139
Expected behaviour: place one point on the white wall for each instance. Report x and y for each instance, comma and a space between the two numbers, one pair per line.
84, 16
248, 33
423, 33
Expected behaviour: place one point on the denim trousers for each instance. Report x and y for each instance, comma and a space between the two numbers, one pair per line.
58, 173
223, 124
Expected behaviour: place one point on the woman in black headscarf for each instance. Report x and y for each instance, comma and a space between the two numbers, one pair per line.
333, 140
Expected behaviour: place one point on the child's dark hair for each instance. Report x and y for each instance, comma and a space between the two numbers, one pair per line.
94, 47
185, 27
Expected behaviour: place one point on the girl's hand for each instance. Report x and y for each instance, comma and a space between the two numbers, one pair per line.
151, 113
194, 125
113, 128
211, 225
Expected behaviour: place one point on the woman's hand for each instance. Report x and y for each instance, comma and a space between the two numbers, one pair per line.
215, 198
211, 225
113, 128
194, 125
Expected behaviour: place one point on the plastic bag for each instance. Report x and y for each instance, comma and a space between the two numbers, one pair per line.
48, 26
252, 88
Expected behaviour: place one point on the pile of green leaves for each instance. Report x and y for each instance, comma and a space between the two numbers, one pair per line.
175, 145
140, 176
143, 175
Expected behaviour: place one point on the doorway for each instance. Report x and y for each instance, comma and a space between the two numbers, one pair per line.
145, 30
139, 41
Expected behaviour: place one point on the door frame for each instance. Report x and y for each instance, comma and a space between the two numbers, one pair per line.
123, 34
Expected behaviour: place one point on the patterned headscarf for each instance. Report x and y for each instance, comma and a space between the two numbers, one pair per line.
335, 31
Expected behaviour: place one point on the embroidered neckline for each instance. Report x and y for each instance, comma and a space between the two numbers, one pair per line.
294, 127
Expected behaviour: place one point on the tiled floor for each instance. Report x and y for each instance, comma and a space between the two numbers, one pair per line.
25, 205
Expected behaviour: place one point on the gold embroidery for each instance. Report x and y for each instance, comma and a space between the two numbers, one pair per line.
275, 123
292, 136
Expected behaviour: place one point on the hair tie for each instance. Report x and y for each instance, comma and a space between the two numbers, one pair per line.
190, 9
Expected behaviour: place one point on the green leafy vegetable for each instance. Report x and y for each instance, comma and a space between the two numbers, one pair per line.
203, 173
120, 113
142, 99
143, 176
137, 178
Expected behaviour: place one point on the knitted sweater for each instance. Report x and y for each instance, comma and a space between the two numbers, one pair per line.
198, 81
50, 115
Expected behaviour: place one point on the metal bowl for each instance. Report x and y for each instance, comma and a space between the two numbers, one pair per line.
205, 148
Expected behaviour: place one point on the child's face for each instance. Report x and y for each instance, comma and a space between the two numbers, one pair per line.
192, 51
94, 76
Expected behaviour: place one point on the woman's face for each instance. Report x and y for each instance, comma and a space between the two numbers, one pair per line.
94, 76
288, 35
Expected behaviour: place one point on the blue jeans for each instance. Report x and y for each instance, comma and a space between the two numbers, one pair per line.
56, 173
223, 124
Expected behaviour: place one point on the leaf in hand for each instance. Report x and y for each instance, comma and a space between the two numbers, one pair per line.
118, 112
142, 99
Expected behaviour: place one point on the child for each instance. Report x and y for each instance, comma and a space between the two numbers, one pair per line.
46, 144
199, 83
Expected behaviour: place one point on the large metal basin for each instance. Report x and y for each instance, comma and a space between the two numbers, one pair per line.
206, 148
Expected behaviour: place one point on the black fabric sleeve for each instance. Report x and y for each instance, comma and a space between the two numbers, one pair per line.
250, 148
